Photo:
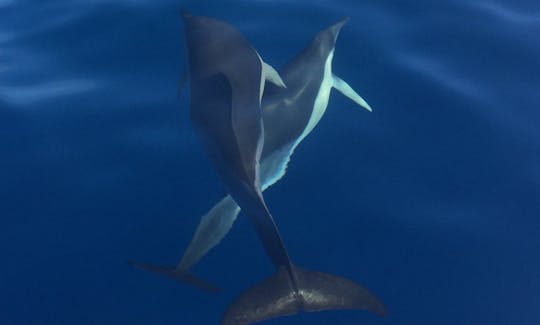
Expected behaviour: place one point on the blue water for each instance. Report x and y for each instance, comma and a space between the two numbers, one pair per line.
432, 201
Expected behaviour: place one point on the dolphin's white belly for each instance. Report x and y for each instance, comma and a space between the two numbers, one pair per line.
321, 101
273, 167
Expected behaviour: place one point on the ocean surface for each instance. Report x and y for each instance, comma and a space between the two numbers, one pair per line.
432, 201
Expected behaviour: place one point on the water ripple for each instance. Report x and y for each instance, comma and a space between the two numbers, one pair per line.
29, 94
442, 74
508, 14
5, 3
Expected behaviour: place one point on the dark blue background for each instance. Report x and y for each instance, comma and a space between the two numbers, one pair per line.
432, 201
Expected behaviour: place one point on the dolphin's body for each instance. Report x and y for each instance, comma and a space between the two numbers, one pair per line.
289, 115
227, 80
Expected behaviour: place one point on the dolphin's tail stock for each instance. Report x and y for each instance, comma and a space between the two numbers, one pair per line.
176, 274
316, 291
292, 289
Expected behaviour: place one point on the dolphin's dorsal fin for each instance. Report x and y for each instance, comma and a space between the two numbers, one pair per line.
346, 90
272, 75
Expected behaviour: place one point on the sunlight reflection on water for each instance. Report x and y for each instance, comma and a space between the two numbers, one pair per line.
32, 93
508, 14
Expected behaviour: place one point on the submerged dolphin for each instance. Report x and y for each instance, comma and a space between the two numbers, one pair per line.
289, 115
227, 80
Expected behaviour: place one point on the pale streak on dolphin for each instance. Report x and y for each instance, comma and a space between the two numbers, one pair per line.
289, 115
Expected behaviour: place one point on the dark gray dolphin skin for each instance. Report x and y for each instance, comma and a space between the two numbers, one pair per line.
289, 115
227, 80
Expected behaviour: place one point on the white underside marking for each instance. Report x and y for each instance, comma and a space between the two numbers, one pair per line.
273, 167
321, 101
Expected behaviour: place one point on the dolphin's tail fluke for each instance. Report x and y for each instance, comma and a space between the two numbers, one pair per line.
316, 291
176, 274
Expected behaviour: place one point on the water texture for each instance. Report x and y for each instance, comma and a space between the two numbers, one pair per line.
432, 201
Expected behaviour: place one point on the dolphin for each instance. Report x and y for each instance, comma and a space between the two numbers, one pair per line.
227, 81
289, 115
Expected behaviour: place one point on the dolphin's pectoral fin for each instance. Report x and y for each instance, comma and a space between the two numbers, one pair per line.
346, 90
211, 230
272, 75
177, 274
